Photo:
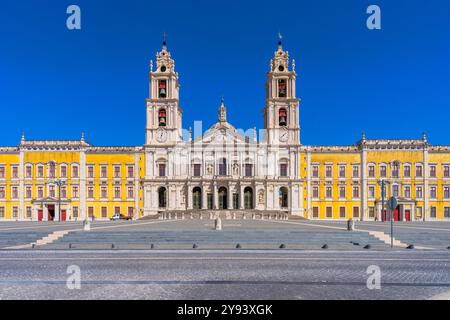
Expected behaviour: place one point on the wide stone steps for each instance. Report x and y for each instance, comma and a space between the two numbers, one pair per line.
8, 239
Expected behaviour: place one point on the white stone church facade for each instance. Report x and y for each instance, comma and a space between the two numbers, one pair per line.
223, 168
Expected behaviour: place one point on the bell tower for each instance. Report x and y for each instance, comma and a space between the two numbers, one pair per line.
281, 112
164, 115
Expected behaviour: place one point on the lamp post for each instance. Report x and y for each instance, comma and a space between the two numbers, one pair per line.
383, 184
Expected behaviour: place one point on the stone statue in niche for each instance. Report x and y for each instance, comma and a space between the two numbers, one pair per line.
235, 169
209, 169
261, 197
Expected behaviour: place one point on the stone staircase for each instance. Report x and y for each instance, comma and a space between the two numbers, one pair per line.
11, 239
223, 214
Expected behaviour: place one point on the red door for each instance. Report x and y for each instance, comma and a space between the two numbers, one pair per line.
407, 215
63, 215
395, 214
40, 215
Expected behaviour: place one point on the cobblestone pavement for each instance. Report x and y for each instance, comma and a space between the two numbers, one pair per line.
224, 274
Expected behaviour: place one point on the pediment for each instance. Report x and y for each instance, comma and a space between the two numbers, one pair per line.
221, 133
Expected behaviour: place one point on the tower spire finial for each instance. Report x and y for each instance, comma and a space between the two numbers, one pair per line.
222, 111
280, 41
164, 40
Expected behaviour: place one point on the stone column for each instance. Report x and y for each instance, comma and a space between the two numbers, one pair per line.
189, 189
426, 211
308, 182
215, 197
21, 215
363, 184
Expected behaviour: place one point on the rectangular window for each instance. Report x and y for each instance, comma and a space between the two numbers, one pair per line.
40, 171
197, 171
130, 172
222, 167
90, 212
395, 170
433, 171
117, 172
329, 192
446, 192
28, 213
315, 171
433, 194
15, 192
355, 172
283, 170
315, 212
130, 192
355, 192
117, 192
91, 172
383, 171
104, 172
15, 172
419, 192
419, 172
209, 199
329, 171
2, 212
395, 190
407, 171
372, 212
130, 212
28, 192
75, 192
446, 171
329, 212
248, 170
63, 192
342, 212
104, 212
116, 210
342, 192
315, 192
40, 192
433, 213
75, 212
90, 193
341, 171
63, 172
51, 191
407, 192
15, 212
371, 192
2, 193
371, 171
104, 192
162, 169
447, 212
355, 212
2, 172
75, 172
28, 172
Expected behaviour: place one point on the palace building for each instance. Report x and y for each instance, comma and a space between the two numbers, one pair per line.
224, 169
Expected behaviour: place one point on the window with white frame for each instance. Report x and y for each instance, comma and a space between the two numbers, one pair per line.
329, 192
15, 192
15, 212
342, 212
433, 193
355, 192
355, 171
63, 170
371, 212
117, 192
63, 190
90, 172
28, 194
75, 171
383, 171
328, 171
15, 172
371, 171
446, 171
2, 192
40, 192
315, 212
432, 171
40, 171
315, 171
447, 212
342, 171
104, 172
28, 171
419, 192
2, 172
130, 172
104, 212
395, 169
407, 171
395, 190
419, 171
130, 192
446, 192
52, 170
75, 212
355, 212
2, 212
90, 193
433, 212
75, 192
117, 171
29, 212
329, 212
342, 192
104, 192
52, 191
371, 190
407, 192
315, 192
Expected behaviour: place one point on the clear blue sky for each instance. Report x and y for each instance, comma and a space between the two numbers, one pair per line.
56, 83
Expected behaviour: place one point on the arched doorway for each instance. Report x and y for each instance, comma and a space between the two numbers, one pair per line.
248, 198
197, 198
162, 197
223, 198
283, 198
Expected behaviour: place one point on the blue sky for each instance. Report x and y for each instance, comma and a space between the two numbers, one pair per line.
390, 83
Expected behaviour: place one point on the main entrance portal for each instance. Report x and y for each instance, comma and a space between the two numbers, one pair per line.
223, 198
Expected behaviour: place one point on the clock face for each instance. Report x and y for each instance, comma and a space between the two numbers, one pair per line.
161, 135
284, 135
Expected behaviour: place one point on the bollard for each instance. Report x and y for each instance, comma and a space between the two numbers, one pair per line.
350, 225
218, 224
234, 215
192, 216
201, 217
182, 216
253, 216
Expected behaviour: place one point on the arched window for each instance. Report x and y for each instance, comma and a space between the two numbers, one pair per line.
283, 198
282, 117
248, 198
282, 88
162, 117
52, 170
197, 198
162, 197
162, 88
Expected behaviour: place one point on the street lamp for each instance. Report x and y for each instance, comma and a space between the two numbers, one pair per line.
59, 183
383, 183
